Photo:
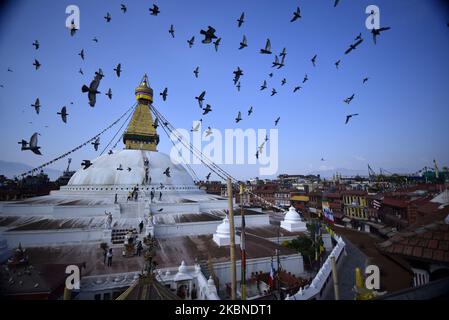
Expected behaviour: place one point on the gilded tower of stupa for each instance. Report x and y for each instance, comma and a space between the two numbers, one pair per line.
141, 134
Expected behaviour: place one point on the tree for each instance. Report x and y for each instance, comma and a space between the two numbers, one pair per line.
304, 245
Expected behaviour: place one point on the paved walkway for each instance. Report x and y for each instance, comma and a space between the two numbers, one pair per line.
346, 273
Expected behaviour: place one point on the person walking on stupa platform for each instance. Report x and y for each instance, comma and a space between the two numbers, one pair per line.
109, 256
140, 226
116, 198
139, 248
152, 195
160, 196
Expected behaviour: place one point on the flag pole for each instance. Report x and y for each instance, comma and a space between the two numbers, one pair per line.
335, 278
232, 240
243, 246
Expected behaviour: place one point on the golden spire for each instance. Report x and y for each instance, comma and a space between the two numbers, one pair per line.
141, 134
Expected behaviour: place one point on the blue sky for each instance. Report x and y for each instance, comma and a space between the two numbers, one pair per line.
404, 108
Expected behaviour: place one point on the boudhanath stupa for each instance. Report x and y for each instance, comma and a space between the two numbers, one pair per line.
98, 207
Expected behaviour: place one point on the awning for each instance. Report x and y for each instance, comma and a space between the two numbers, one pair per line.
300, 198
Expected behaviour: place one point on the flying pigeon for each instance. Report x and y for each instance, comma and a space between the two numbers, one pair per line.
282, 63
32, 146
123, 8
207, 109
353, 46
197, 127
297, 89
172, 31
164, 94
10, 70
73, 28
365, 80
63, 113
37, 64
200, 98
283, 82
244, 43
271, 75
167, 172
108, 17
337, 64
241, 19
237, 74
96, 143
86, 164
267, 49
208, 35
264, 85
118, 69
276, 62
296, 15
376, 32
109, 93
239, 117
196, 72
250, 111
336, 3
208, 131
36, 105
348, 100
81, 71
348, 117
283, 53
161, 209
120, 167
156, 123
314, 60
277, 121
305, 79
93, 89
191, 41
95, 39
81, 54
155, 10
238, 86
217, 43
208, 176
359, 37
36, 44
257, 154
273, 92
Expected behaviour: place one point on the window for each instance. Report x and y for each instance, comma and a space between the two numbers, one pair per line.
97, 297
107, 296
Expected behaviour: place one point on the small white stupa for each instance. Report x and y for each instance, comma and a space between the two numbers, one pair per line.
222, 237
293, 222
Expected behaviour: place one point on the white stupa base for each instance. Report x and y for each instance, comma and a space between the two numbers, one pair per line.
294, 226
224, 241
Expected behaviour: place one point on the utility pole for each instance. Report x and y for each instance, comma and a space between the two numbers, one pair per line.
243, 246
335, 278
232, 240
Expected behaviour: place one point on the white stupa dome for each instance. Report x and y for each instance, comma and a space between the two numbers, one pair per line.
292, 215
103, 170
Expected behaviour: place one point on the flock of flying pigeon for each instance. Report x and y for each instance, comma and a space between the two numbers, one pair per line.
209, 37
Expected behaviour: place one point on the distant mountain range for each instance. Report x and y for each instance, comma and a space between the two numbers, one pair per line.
12, 169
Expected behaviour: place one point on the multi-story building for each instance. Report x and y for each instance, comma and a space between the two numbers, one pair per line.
335, 203
282, 198
355, 204
299, 201
315, 202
